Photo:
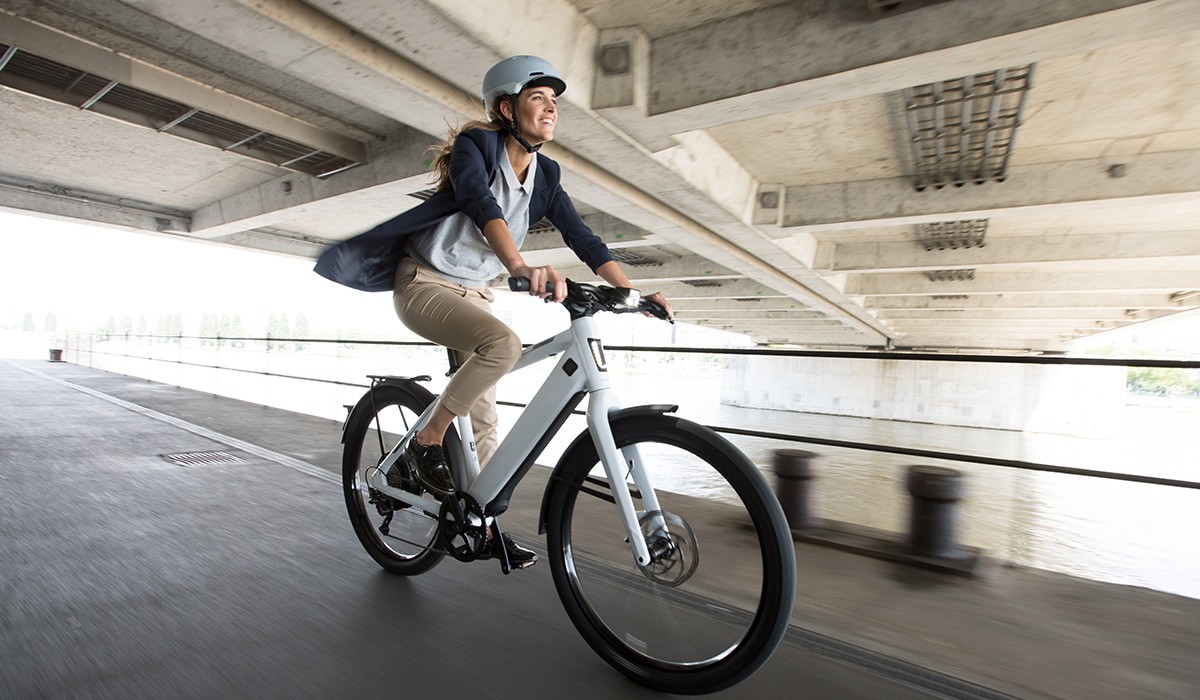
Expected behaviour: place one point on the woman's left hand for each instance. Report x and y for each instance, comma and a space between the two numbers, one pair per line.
662, 301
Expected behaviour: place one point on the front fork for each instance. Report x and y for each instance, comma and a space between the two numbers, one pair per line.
620, 464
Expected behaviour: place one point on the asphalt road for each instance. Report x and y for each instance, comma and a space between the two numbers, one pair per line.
127, 576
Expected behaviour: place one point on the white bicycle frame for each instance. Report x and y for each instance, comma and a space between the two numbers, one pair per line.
582, 368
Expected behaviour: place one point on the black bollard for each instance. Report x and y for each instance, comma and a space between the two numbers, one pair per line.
794, 473
935, 493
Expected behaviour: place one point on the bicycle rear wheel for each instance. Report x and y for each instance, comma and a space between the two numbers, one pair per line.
402, 539
716, 602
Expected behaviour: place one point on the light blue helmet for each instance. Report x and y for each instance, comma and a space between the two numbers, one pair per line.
514, 74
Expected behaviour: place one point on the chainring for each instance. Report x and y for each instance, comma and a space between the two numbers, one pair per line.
463, 530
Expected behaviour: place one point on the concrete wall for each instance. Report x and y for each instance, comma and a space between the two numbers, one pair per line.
1083, 401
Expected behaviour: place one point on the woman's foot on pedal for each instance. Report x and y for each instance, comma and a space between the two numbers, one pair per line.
518, 556
429, 463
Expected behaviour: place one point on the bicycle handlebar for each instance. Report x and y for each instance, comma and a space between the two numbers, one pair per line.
587, 299
521, 284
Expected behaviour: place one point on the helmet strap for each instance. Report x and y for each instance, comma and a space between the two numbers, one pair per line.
515, 129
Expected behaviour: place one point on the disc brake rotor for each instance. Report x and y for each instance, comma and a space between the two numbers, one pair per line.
674, 552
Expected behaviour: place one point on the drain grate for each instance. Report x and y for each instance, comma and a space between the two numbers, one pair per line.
202, 459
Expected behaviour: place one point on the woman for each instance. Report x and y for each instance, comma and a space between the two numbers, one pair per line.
438, 257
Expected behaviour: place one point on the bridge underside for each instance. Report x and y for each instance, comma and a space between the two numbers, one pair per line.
962, 174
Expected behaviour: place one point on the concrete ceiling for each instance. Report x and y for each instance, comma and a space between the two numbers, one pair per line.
756, 155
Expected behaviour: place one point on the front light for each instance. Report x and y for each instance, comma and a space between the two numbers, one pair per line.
598, 353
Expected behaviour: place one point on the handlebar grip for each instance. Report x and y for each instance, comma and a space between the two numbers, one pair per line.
521, 284
656, 309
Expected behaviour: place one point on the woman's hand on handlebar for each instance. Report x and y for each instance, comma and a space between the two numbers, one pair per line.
661, 300
538, 277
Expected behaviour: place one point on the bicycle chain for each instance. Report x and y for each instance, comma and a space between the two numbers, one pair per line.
373, 500
424, 547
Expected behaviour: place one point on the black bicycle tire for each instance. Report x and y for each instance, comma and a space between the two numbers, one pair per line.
415, 398
774, 611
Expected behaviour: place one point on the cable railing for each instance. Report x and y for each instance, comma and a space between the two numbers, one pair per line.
269, 341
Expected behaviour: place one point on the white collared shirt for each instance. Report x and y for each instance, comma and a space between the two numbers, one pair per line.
457, 249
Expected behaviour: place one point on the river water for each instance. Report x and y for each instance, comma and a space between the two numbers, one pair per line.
1102, 529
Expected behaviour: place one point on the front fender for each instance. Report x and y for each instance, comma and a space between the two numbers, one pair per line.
582, 441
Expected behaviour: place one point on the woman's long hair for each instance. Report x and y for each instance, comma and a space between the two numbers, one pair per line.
441, 161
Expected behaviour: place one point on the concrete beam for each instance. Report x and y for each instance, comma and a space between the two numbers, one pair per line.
59, 202
954, 316
1024, 325
801, 54
1060, 187
739, 306
303, 41
42, 41
614, 232
1031, 282
1026, 251
846, 338
726, 290
814, 324
1034, 301
966, 343
397, 163
797, 315
691, 267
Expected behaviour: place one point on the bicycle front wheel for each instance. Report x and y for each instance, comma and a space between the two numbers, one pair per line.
716, 601
401, 538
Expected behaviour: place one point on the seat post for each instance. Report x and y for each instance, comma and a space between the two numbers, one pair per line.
452, 354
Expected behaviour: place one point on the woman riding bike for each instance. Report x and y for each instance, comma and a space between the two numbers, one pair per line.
438, 257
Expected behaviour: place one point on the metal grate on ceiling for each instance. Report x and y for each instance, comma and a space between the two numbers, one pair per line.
968, 233
632, 259
950, 275
962, 130
41, 76
702, 283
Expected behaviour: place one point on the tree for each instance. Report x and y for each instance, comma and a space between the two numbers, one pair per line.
301, 330
277, 327
208, 329
238, 330
27, 324
51, 323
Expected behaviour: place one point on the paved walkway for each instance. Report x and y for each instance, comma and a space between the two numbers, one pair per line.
122, 576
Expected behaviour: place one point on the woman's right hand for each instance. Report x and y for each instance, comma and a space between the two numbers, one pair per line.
538, 277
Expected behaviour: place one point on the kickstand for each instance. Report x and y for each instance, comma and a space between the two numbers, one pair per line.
505, 565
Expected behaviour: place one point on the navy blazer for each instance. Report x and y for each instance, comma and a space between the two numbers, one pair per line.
368, 261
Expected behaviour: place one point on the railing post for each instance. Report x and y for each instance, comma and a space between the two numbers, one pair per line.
794, 473
935, 494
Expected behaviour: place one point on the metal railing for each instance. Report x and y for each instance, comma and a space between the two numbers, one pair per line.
784, 437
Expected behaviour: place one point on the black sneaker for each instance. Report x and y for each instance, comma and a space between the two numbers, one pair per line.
518, 556
430, 465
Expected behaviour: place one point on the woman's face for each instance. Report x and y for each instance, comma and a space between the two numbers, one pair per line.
537, 113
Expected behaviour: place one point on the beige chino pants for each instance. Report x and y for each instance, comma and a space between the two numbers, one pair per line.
460, 317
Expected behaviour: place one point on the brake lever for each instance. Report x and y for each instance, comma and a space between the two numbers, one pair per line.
656, 309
